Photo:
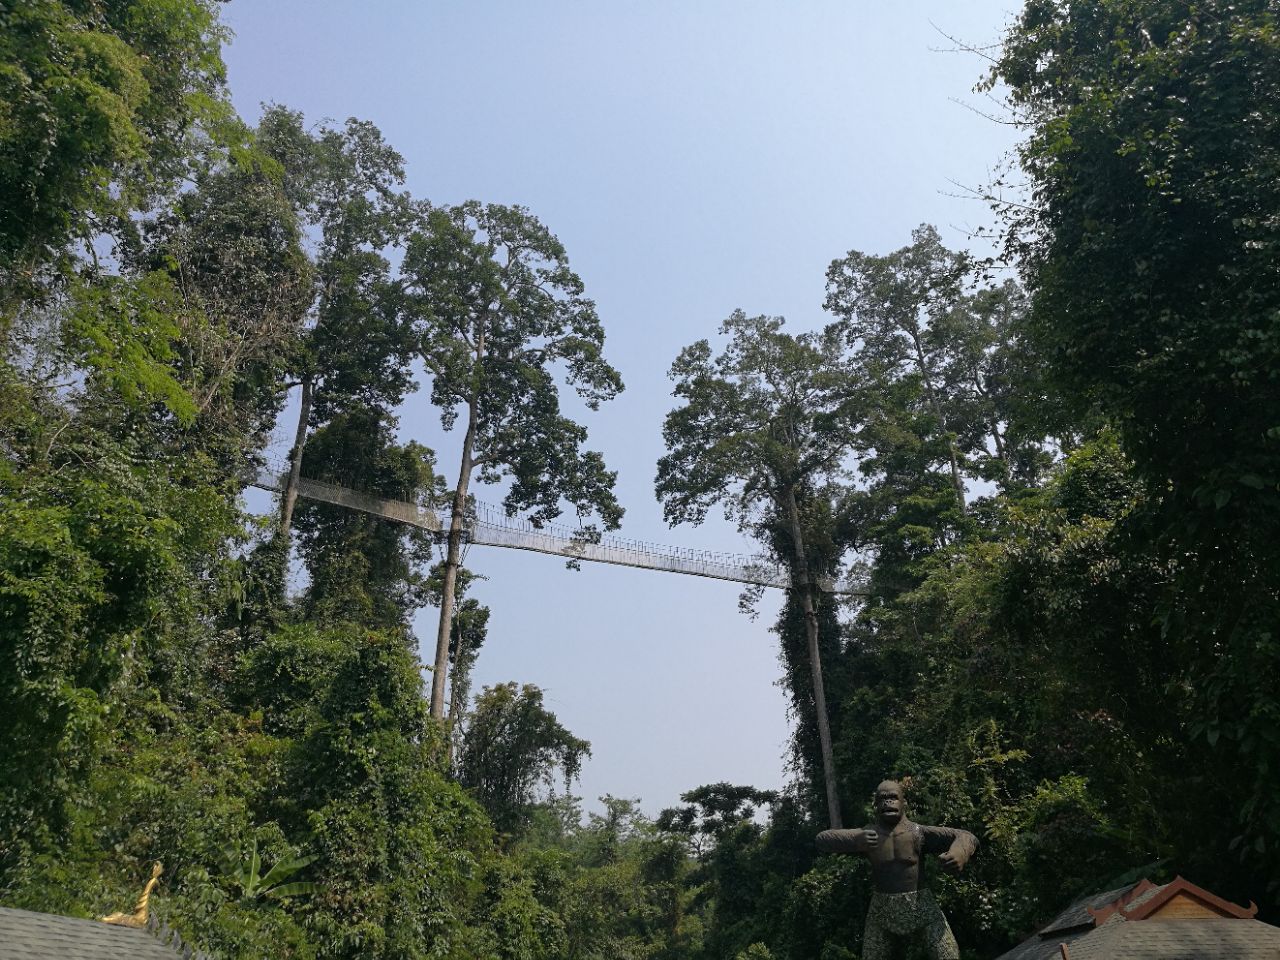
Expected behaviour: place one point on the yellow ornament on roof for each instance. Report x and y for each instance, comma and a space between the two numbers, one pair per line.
139, 916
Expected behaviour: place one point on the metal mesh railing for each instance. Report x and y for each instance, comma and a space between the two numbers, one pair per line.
492, 527
488, 525
400, 510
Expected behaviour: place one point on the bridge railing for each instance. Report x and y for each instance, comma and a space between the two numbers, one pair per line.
489, 525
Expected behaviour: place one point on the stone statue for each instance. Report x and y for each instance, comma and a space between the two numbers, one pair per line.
901, 913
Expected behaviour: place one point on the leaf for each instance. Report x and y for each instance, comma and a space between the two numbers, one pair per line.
298, 889
232, 857
254, 863
286, 868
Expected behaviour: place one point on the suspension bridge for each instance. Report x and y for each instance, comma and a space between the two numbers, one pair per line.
488, 525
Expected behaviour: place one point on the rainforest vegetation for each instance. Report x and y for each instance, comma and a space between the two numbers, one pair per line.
1058, 469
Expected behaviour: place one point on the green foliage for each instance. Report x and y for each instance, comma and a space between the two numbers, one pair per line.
94, 569
498, 309
618, 887
1152, 138
161, 703
399, 848
364, 569
341, 184
125, 331
233, 248
510, 747
1031, 703
1075, 657
95, 105
772, 412
824, 909
713, 811
243, 868
1150, 254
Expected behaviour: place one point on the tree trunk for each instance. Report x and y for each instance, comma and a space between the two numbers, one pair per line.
985, 394
453, 553
457, 694
458, 681
803, 583
956, 482
932, 394
295, 460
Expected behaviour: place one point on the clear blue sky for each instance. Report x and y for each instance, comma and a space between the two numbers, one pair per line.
693, 157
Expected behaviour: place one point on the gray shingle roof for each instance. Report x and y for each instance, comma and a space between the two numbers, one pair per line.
1179, 940
1077, 915
1065, 927
1038, 948
25, 935
1150, 939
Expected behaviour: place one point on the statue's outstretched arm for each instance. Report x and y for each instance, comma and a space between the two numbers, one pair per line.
842, 841
955, 846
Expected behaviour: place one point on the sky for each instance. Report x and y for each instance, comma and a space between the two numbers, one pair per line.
693, 157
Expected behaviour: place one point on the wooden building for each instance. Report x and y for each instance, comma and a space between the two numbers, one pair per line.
1147, 921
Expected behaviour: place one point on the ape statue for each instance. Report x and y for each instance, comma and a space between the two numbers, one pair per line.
900, 912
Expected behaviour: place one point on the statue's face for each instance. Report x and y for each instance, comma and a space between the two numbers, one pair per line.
888, 802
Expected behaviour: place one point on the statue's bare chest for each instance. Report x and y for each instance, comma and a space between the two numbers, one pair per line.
900, 846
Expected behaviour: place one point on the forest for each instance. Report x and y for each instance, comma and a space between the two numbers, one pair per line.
1057, 469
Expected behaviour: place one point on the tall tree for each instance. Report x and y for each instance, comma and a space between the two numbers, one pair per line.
890, 306
499, 313
101, 103
1149, 248
353, 353
945, 377
514, 745
364, 569
763, 426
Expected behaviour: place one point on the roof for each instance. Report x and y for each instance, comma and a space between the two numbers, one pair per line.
1067, 926
1147, 901
1142, 920
43, 936
1079, 915
1232, 939
1037, 948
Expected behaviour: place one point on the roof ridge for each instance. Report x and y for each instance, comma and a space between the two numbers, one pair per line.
1139, 892
1180, 884
1077, 914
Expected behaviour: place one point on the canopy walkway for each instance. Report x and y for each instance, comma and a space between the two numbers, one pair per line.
490, 526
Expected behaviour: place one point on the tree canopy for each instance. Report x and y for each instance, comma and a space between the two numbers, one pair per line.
498, 313
1062, 490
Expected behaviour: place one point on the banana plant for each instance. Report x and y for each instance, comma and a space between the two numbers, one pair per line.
245, 871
